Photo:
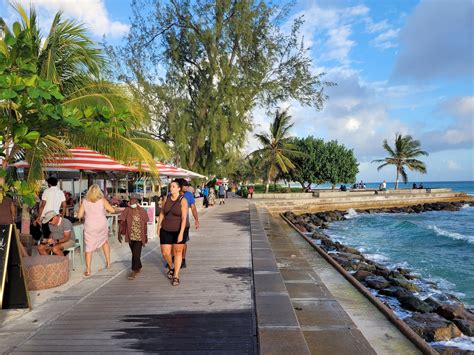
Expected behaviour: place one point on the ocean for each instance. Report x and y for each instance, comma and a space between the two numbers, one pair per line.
438, 246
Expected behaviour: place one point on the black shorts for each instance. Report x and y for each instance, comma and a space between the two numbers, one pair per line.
167, 237
221, 195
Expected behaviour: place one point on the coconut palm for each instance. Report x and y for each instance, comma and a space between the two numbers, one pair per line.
67, 57
404, 154
277, 151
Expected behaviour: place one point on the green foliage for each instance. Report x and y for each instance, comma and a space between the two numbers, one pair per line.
340, 164
278, 151
403, 155
201, 67
311, 168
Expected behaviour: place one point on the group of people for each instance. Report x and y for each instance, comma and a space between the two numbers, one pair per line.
420, 186
210, 194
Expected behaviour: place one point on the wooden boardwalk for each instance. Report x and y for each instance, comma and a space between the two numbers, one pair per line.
212, 311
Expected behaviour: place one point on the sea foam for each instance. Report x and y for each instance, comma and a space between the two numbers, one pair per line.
457, 236
351, 213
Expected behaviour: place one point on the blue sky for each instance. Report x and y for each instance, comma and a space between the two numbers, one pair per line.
401, 66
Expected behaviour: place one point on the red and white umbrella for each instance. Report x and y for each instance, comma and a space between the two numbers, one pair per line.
81, 159
164, 170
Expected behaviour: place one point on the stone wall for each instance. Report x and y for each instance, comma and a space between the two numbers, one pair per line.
343, 201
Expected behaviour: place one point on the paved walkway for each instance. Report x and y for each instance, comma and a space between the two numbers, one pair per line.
211, 311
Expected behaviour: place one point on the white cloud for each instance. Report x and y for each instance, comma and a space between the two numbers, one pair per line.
386, 39
92, 13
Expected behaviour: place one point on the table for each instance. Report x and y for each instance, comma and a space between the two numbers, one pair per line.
114, 217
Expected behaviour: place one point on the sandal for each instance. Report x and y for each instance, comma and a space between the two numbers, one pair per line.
170, 273
87, 274
175, 281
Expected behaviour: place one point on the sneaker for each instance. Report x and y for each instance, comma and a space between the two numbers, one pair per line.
183, 264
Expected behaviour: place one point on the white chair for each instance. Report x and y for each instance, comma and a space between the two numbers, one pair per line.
78, 232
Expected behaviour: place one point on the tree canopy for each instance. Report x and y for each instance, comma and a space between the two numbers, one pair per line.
200, 67
404, 154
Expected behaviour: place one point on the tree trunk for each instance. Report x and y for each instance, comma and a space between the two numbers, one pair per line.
396, 181
267, 186
333, 186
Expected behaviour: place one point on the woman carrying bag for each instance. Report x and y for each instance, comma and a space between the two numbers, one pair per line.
171, 230
133, 225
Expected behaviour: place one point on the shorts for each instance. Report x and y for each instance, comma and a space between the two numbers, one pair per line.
221, 195
167, 237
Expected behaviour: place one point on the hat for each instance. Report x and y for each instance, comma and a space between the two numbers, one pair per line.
48, 216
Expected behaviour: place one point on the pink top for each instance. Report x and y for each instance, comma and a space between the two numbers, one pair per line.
96, 229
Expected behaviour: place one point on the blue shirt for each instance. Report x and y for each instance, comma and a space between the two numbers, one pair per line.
205, 191
190, 198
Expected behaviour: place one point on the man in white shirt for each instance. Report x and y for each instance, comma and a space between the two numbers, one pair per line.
53, 199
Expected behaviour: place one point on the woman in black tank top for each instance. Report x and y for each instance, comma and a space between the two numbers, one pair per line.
171, 226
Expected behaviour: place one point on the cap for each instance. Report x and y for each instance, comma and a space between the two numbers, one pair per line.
48, 216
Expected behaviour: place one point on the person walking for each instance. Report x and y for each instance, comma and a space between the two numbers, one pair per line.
221, 194
212, 196
205, 196
170, 229
133, 225
192, 205
96, 229
250, 190
53, 199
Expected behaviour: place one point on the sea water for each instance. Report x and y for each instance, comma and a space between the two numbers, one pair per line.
438, 246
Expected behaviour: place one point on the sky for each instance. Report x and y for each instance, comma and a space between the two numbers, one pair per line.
400, 66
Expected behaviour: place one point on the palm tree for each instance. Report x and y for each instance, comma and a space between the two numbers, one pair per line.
70, 59
403, 155
277, 151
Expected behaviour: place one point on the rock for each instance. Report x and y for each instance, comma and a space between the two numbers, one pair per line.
328, 243
342, 261
433, 302
403, 271
361, 275
403, 282
395, 291
432, 327
454, 310
466, 326
451, 350
381, 272
377, 282
310, 227
324, 226
350, 256
366, 267
412, 303
301, 228
351, 250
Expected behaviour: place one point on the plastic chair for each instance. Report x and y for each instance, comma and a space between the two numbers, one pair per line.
78, 232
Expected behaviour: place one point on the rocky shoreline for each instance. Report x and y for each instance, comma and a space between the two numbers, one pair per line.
439, 317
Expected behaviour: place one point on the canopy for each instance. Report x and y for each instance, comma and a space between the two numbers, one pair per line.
81, 159
192, 174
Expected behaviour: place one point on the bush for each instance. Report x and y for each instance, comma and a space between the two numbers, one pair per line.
260, 189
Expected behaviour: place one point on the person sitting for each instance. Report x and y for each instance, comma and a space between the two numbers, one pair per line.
414, 186
421, 186
343, 188
61, 234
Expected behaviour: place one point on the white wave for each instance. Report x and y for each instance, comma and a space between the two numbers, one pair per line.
452, 235
466, 205
463, 342
350, 213
378, 258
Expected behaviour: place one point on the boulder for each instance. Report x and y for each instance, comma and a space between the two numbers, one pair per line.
350, 256
351, 250
301, 228
433, 302
466, 326
310, 227
432, 327
367, 267
454, 310
395, 291
403, 282
377, 282
324, 226
361, 275
413, 303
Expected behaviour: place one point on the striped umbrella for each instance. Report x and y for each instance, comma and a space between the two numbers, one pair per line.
81, 159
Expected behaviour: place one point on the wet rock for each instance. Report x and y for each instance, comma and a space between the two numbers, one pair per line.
395, 291
403, 282
310, 227
432, 327
433, 302
324, 226
451, 350
403, 271
301, 228
350, 256
466, 326
346, 264
361, 275
377, 282
351, 250
366, 267
413, 303
454, 310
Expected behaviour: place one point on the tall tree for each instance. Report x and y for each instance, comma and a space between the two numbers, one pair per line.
200, 67
277, 150
340, 164
100, 115
311, 168
402, 155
